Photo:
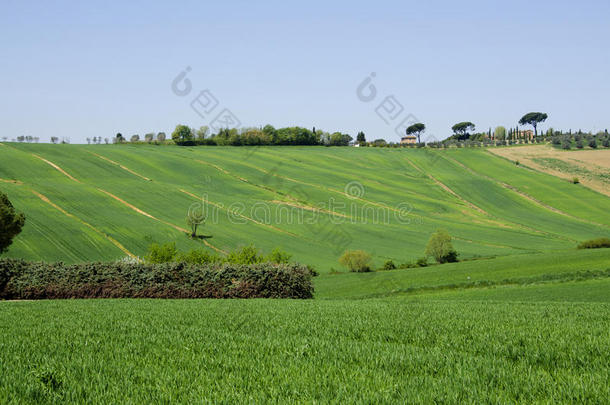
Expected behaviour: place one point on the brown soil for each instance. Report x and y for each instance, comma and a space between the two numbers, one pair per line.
595, 161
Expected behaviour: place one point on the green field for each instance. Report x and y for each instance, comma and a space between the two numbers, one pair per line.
523, 319
538, 341
106, 201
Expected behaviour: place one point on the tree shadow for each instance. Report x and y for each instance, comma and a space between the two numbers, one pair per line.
201, 236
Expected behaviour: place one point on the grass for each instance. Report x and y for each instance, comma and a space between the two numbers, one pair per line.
154, 187
541, 338
463, 274
595, 290
381, 351
524, 319
562, 166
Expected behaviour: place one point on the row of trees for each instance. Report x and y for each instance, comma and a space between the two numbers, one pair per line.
268, 135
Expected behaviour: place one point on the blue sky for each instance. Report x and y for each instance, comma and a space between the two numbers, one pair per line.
85, 69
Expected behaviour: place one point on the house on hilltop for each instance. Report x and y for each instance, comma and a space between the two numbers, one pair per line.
409, 139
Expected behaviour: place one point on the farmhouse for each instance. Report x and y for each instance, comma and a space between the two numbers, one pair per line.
409, 139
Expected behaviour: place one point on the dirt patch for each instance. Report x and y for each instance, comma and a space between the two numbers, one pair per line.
66, 213
17, 182
146, 214
56, 167
309, 208
219, 206
121, 166
575, 163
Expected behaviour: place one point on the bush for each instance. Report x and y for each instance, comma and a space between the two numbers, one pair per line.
246, 255
198, 257
25, 280
167, 253
440, 247
161, 253
389, 265
575, 180
422, 262
356, 260
595, 243
277, 255
606, 143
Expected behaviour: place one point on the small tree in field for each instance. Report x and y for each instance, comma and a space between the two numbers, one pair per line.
440, 247
356, 260
11, 223
195, 217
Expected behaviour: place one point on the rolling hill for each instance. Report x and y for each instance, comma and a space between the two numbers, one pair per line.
104, 202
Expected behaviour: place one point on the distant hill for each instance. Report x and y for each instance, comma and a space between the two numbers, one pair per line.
105, 202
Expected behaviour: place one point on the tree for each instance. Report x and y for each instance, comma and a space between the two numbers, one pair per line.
361, 138
195, 217
182, 133
119, 138
161, 137
500, 133
54, 139
440, 247
356, 260
461, 129
533, 119
11, 222
416, 129
149, 137
202, 132
134, 138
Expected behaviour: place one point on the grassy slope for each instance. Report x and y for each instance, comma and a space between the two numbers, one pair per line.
244, 178
383, 283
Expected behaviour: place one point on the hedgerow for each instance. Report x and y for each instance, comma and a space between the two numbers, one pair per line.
38, 280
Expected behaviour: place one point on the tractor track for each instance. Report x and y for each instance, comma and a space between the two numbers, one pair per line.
98, 231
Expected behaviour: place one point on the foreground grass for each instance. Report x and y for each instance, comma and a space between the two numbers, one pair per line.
385, 350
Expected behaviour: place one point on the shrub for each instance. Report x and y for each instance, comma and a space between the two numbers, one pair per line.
277, 255
606, 143
161, 253
593, 143
575, 180
595, 243
198, 257
356, 260
25, 280
440, 247
246, 255
422, 262
580, 144
167, 253
389, 265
